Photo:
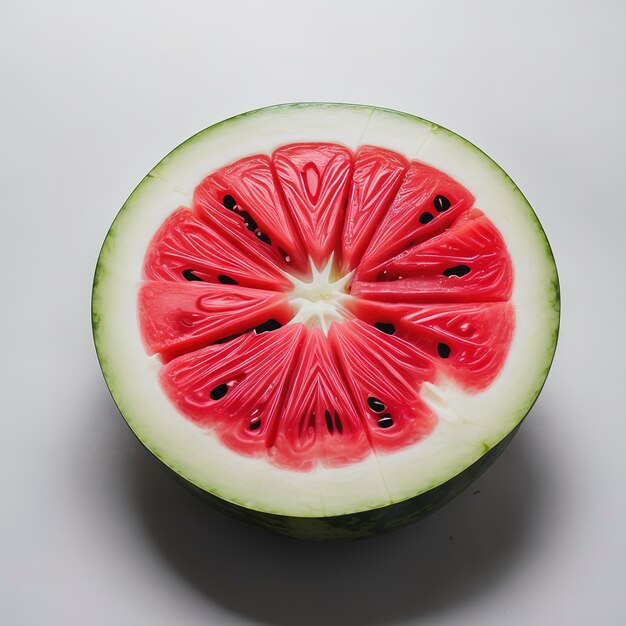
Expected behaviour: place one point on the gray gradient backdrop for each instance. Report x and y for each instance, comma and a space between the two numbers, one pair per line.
92, 95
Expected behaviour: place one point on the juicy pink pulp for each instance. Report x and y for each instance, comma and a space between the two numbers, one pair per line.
427, 296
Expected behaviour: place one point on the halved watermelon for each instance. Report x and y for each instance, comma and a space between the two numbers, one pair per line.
326, 319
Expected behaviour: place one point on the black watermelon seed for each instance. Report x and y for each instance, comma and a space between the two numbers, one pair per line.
385, 421
457, 270
227, 339
217, 393
385, 327
375, 404
426, 217
229, 202
189, 275
265, 327
329, 421
444, 350
227, 280
385, 276
248, 222
263, 237
338, 423
441, 204
268, 326
256, 424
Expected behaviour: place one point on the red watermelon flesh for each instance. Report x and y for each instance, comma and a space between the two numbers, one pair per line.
427, 202
182, 317
185, 249
315, 179
383, 374
466, 341
415, 300
319, 419
468, 262
243, 202
237, 388
377, 176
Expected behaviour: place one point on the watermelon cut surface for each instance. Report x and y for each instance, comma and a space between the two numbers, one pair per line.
341, 315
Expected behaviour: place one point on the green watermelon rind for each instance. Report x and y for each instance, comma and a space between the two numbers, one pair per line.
371, 519
353, 526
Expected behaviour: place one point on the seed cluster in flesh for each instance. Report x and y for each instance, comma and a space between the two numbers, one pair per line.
305, 297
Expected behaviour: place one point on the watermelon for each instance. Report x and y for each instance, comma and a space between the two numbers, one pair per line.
326, 320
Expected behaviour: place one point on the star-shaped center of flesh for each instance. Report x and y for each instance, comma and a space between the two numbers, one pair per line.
320, 301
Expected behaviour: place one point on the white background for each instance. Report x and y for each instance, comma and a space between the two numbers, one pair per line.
92, 95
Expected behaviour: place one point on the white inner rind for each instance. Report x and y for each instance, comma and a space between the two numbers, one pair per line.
469, 423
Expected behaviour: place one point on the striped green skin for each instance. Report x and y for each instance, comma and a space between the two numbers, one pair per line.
356, 525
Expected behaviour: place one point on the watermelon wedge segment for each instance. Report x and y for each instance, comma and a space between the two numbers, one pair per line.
466, 342
184, 249
179, 317
468, 262
238, 387
332, 340
377, 176
427, 203
384, 375
242, 202
320, 421
315, 180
